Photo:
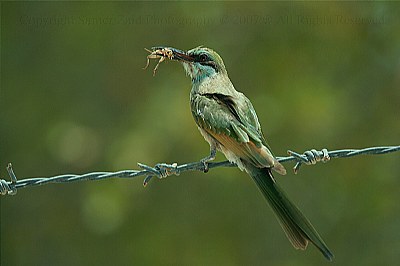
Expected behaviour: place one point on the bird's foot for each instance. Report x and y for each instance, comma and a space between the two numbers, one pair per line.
160, 170
205, 164
209, 158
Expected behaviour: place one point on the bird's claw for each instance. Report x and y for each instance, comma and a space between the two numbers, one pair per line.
205, 166
161, 170
209, 158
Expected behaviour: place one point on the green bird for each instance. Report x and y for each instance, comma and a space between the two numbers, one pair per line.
228, 122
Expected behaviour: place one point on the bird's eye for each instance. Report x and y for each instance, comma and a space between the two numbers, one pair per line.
203, 58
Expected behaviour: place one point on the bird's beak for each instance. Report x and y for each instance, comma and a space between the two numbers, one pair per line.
177, 54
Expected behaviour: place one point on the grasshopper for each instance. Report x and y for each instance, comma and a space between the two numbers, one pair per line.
163, 54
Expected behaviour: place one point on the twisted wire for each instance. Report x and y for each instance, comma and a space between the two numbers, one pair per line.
163, 170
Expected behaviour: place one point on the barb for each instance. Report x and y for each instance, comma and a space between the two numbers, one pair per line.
163, 170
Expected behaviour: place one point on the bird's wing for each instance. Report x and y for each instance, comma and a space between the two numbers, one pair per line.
234, 124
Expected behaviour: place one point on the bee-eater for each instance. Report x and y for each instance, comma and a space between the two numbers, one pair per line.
227, 120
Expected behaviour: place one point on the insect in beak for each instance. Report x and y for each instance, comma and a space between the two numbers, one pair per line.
162, 53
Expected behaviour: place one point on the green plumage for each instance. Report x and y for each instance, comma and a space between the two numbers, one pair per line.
296, 226
222, 118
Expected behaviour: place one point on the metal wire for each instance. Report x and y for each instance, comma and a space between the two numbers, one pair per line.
163, 170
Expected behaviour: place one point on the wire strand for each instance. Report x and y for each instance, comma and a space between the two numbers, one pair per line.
162, 170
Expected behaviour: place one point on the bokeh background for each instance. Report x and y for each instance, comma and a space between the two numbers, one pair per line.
75, 99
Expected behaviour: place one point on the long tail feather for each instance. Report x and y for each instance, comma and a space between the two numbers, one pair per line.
296, 226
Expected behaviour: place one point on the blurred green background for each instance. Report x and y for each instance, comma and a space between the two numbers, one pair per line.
75, 99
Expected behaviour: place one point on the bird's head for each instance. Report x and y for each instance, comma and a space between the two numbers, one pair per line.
199, 62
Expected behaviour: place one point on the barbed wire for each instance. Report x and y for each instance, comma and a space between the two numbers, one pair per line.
163, 170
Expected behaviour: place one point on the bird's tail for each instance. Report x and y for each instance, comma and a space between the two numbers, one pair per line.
296, 226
